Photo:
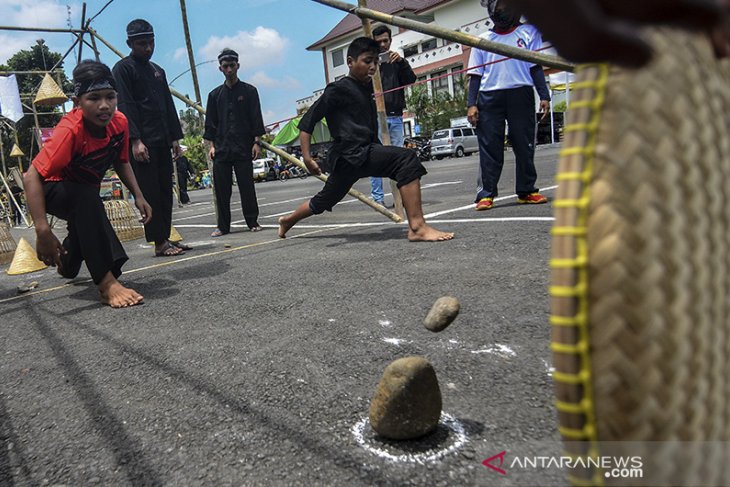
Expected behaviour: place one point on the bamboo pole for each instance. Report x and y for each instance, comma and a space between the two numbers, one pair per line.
459, 37
352, 192
2, 155
12, 198
81, 36
382, 116
93, 46
41, 29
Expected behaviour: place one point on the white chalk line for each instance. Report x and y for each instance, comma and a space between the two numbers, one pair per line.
448, 421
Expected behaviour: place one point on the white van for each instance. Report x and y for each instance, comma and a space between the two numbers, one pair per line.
455, 141
261, 168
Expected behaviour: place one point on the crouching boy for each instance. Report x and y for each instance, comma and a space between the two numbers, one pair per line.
356, 153
64, 181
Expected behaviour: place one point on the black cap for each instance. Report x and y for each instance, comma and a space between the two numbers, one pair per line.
139, 28
227, 55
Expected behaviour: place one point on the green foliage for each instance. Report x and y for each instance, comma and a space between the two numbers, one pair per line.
37, 58
197, 154
560, 107
435, 112
192, 122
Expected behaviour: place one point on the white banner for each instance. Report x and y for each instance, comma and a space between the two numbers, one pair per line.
10, 106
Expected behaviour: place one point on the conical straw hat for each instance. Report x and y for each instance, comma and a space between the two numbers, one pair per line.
16, 152
49, 93
174, 235
25, 260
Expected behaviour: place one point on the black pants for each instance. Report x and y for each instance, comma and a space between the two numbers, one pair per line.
517, 106
182, 186
91, 238
155, 181
223, 178
397, 163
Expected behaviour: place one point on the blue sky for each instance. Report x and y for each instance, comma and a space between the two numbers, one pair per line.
269, 35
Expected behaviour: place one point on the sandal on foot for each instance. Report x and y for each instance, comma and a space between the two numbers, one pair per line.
217, 233
181, 246
257, 228
169, 250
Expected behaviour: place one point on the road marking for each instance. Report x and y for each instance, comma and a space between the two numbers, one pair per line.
471, 206
166, 264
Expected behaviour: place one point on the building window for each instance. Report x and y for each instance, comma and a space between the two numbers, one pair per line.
409, 51
338, 58
459, 80
439, 85
428, 45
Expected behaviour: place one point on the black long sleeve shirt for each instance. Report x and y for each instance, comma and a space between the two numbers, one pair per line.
395, 75
145, 99
352, 119
233, 119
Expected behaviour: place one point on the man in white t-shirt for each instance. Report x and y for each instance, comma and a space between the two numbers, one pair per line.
504, 91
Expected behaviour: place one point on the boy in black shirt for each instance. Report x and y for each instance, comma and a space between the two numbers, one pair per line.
356, 152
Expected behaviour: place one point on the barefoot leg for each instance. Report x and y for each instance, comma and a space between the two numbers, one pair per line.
418, 230
115, 295
288, 221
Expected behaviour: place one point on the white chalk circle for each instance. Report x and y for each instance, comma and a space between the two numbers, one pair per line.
449, 431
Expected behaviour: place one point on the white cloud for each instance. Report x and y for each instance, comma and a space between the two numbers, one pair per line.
258, 48
34, 13
180, 54
262, 80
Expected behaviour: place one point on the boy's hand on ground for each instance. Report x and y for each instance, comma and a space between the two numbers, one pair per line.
472, 115
140, 152
312, 166
49, 248
145, 210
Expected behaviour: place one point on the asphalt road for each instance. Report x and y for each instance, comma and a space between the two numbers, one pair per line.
255, 364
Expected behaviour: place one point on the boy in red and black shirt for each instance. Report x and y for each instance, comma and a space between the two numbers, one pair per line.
64, 181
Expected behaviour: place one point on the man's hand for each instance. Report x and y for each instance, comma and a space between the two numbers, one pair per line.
211, 152
48, 247
139, 151
394, 56
472, 115
609, 30
145, 210
312, 165
255, 151
544, 109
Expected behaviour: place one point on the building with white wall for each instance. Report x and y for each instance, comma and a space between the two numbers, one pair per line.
436, 62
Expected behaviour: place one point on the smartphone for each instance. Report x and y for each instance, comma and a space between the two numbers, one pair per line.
384, 57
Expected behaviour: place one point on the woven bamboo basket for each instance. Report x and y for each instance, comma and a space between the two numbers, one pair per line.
49, 93
640, 295
124, 220
7, 243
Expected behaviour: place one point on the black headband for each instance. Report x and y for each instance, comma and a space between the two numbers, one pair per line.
81, 87
228, 56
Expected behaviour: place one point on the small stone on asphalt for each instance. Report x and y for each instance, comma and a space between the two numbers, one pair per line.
442, 313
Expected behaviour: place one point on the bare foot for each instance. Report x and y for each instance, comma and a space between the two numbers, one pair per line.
118, 296
428, 234
284, 226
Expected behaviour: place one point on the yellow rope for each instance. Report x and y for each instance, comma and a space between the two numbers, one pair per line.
579, 292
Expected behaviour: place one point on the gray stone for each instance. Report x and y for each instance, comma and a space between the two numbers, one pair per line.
407, 402
442, 313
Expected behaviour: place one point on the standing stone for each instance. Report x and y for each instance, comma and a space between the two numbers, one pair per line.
407, 402
442, 313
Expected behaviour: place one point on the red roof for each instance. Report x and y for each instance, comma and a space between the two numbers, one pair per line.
352, 22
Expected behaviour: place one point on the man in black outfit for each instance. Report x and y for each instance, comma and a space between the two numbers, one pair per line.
233, 125
154, 128
184, 171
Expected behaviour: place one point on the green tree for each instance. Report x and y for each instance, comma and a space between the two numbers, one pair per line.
435, 112
196, 152
192, 122
37, 58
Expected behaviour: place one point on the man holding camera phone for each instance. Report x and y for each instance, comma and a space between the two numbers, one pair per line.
395, 72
